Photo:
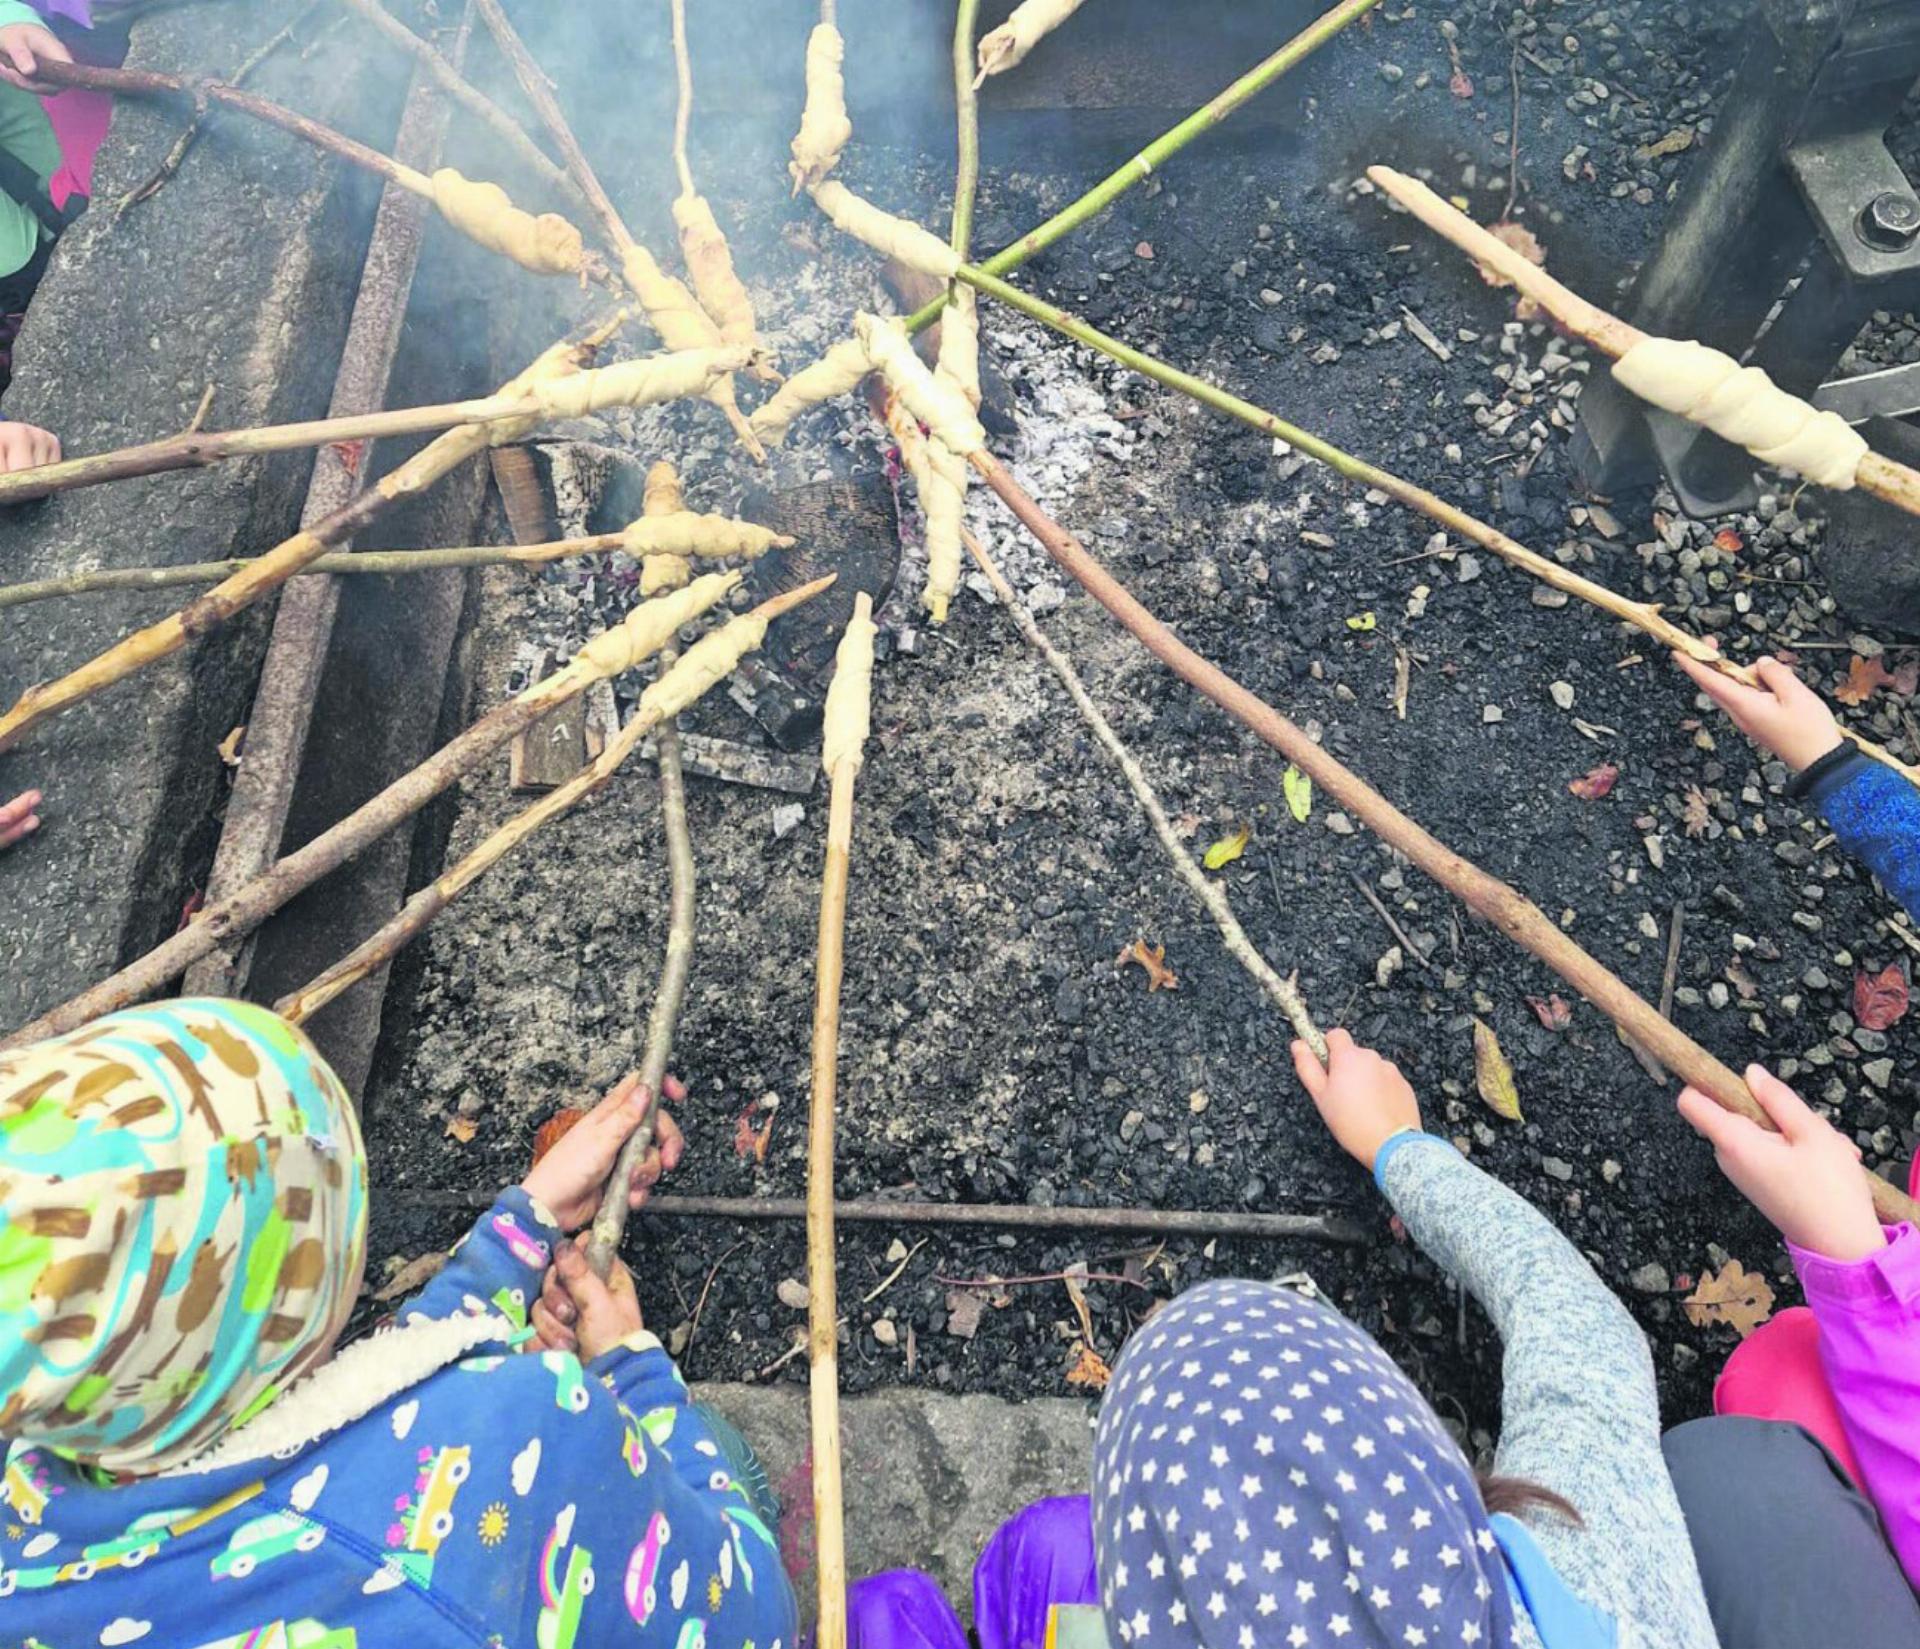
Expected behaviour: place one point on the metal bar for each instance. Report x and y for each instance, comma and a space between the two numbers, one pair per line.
1159, 1222
302, 627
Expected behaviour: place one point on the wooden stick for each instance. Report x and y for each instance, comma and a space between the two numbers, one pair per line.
469, 97
152, 83
1642, 615
268, 572
1884, 477
663, 497
412, 919
250, 905
381, 562
1019, 1216
1514, 915
845, 737
1284, 993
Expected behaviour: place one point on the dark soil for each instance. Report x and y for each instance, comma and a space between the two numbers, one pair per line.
991, 1050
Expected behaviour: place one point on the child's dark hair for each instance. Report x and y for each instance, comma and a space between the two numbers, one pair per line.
1514, 1495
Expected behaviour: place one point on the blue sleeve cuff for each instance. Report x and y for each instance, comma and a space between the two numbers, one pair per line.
1391, 1146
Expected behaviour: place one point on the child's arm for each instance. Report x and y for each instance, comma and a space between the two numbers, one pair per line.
1861, 1279
1874, 812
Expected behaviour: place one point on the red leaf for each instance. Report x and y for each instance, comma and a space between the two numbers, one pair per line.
350, 453
1880, 999
1551, 1011
1595, 784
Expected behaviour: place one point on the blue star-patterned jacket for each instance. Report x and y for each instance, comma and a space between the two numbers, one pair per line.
509, 1499
1874, 812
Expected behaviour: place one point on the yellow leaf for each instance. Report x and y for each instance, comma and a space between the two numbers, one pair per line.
1299, 792
1492, 1073
1740, 1298
1362, 621
1227, 849
1089, 1369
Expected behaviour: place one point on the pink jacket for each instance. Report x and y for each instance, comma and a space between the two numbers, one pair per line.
1869, 1317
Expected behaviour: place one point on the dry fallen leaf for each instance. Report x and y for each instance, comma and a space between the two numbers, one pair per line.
1737, 1297
1880, 999
555, 1129
415, 1273
1552, 1011
1089, 1368
1492, 1074
793, 1294
965, 1308
1227, 849
1695, 815
1154, 959
1592, 786
461, 1128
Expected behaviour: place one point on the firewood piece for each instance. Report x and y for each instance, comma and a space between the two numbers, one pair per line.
1032, 21
1513, 914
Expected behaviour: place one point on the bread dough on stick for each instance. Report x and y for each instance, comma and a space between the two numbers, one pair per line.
935, 402
898, 237
1032, 21
824, 127
960, 344
849, 712
650, 626
722, 294
547, 244
682, 324
645, 382
1743, 405
838, 372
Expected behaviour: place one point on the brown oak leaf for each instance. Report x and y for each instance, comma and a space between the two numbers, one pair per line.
1154, 959
1592, 786
1880, 999
1735, 1296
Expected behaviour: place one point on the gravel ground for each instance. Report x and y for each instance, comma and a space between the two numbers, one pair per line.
992, 1050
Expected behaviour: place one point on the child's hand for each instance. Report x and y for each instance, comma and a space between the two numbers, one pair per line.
1806, 1178
1362, 1098
1789, 717
576, 1311
23, 47
25, 446
570, 1178
18, 820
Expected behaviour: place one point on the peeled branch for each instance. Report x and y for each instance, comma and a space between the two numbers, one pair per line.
897, 237
1032, 21
547, 244
938, 405
838, 372
720, 290
824, 127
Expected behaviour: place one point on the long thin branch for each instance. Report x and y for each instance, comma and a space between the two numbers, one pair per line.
1143, 165
248, 906
382, 562
663, 497
1514, 915
1644, 616
471, 98
413, 918
1283, 993
1884, 477
539, 92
